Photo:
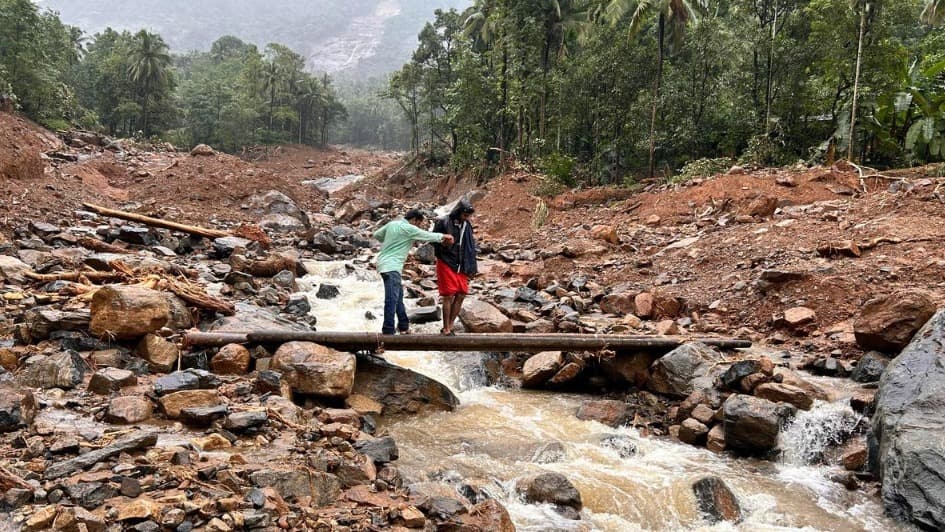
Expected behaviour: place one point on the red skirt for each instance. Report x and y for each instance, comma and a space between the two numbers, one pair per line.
450, 282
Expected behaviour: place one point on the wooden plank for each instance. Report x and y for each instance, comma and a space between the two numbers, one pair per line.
361, 341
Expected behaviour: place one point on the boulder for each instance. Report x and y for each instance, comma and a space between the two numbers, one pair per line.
716, 500
314, 369
160, 354
60, 370
633, 369
380, 450
888, 323
909, 427
693, 432
240, 422
327, 291
173, 403
541, 367
400, 390
128, 409
108, 380
274, 202
202, 150
796, 317
188, 379
870, 367
643, 305
715, 440
298, 483
617, 304
785, 393
17, 406
231, 359
12, 269
608, 412
250, 318
683, 370
127, 312
281, 223
607, 233
425, 314
550, 488
481, 317
45, 321
752, 424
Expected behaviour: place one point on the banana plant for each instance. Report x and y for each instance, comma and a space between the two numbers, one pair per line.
912, 118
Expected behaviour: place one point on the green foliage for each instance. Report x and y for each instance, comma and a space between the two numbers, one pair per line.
763, 150
559, 168
702, 168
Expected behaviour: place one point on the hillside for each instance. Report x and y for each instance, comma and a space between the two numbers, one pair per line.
360, 37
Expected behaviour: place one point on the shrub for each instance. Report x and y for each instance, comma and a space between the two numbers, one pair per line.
702, 168
560, 168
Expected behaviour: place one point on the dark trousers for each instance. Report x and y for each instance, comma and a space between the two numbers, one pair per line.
394, 303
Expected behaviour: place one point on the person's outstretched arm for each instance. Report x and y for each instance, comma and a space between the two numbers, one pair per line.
415, 233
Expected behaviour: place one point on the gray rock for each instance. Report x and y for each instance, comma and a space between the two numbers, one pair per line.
909, 427
188, 379
739, 370
425, 314
425, 254
327, 291
298, 305
203, 416
250, 318
401, 390
381, 450
224, 246
683, 370
324, 242
870, 367
90, 495
243, 421
13, 269
133, 442
550, 488
752, 424
108, 380
281, 223
285, 279
60, 370
136, 235
43, 322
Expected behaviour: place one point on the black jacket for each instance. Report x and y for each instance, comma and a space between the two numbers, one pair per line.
461, 256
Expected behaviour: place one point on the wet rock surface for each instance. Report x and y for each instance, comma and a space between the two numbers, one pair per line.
908, 427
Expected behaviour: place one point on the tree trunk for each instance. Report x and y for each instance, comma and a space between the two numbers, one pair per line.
656, 94
856, 83
770, 81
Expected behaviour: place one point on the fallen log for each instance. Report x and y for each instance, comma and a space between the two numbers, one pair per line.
359, 341
93, 276
100, 246
156, 222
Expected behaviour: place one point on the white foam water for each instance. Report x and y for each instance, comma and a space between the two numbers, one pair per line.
491, 440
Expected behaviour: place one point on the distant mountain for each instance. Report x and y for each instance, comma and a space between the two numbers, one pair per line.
354, 38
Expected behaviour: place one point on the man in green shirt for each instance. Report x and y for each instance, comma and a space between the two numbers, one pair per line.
396, 238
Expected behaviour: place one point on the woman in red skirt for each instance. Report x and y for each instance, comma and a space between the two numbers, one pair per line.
456, 262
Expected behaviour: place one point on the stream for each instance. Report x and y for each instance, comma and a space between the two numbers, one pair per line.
627, 482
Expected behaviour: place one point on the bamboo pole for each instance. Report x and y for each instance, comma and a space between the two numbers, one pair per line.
156, 222
356, 341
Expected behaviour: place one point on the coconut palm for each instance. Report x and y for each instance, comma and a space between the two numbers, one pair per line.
672, 16
149, 69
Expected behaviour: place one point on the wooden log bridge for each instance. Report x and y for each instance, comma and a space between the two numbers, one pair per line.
363, 341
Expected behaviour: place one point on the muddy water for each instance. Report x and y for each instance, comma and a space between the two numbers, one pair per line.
496, 436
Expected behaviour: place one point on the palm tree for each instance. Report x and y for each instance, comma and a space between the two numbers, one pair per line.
672, 14
77, 40
149, 69
484, 26
272, 80
934, 12
564, 21
867, 9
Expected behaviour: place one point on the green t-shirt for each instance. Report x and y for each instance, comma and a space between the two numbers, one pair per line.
397, 237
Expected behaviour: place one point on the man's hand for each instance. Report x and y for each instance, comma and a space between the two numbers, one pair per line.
448, 240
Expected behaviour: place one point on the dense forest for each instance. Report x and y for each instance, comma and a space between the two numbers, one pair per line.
598, 91
601, 90
128, 84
